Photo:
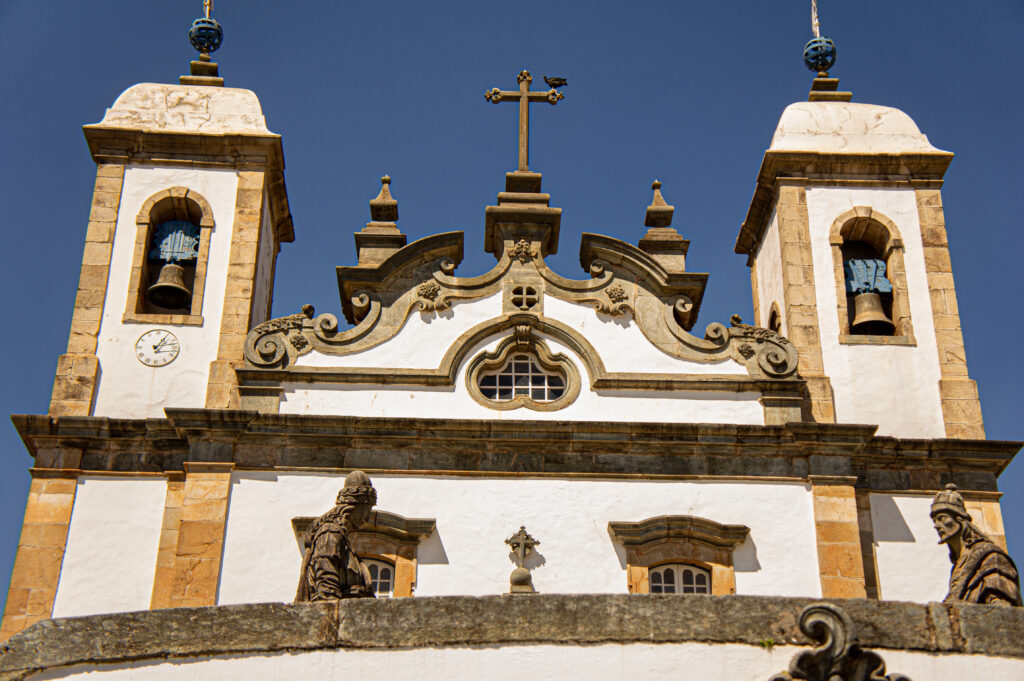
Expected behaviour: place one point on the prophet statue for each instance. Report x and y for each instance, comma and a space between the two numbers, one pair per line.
330, 568
982, 571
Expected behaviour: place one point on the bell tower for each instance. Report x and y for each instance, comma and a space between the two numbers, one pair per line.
188, 213
846, 241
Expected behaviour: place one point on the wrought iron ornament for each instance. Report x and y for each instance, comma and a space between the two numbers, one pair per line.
205, 34
820, 52
838, 657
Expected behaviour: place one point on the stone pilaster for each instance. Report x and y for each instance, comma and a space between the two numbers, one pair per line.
222, 389
200, 536
78, 370
167, 552
840, 562
961, 408
37, 565
867, 545
801, 312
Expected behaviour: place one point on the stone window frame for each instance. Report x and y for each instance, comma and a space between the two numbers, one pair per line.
387, 537
523, 341
862, 223
685, 539
173, 203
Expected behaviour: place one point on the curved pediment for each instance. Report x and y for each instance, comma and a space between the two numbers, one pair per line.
419, 328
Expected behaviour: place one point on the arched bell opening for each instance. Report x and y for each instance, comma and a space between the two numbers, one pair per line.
172, 246
869, 293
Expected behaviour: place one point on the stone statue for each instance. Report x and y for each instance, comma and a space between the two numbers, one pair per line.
982, 572
330, 568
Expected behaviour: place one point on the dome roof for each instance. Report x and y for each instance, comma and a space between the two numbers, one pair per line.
845, 127
158, 107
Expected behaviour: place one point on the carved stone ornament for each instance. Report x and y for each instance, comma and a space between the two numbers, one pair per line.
837, 657
522, 251
522, 545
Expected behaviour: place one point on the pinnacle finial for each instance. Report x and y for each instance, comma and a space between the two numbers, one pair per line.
384, 208
659, 213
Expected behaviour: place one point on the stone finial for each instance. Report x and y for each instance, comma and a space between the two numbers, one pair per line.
661, 240
381, 237
384, 208
659, 213
522, 544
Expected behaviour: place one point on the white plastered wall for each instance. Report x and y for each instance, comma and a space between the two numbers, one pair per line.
769, 275
426, 337
912, 565
127, 388
264, 288
112, 543
467, 554
894, 386
661, 662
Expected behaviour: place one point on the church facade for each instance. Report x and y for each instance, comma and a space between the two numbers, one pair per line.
584, 420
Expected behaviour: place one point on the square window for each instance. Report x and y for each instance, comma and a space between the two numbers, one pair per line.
505, 393
505, 381
537, 379
522, 380
522, 367
522, 391
537, 393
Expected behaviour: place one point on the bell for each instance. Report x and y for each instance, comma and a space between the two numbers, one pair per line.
170, 291
869, 316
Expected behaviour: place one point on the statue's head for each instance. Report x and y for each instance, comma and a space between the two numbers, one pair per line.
359, 496
949, 515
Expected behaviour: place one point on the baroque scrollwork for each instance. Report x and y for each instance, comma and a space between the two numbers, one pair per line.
838, 655
265, 346
772, 351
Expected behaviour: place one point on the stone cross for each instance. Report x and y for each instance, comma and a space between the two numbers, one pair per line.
525, 96
522, 543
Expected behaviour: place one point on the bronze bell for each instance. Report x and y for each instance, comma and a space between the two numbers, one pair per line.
869, 315
170, 291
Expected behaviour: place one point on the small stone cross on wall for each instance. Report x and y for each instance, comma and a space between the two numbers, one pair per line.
522, 543
525, 97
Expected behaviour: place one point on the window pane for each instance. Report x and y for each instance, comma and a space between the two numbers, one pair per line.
491, 380
687, 576
505, 394
555, 381
522, 380
537, 379
504, 380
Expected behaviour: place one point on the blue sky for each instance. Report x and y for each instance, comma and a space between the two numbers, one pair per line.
685, 92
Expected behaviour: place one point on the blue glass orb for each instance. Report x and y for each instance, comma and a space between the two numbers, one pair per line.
820, 54
205, 35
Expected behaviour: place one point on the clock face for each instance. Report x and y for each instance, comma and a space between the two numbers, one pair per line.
156, 348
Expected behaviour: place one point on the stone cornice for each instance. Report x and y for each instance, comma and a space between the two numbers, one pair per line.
890, 169
542, 619
665, 527
485, 447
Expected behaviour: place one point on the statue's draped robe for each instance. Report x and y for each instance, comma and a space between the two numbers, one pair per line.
984, 573
330, 568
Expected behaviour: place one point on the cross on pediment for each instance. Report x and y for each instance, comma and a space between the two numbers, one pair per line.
525, 96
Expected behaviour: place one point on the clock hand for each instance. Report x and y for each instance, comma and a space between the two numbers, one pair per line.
163, 341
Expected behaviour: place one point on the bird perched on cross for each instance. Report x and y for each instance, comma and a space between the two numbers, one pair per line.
555, 82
